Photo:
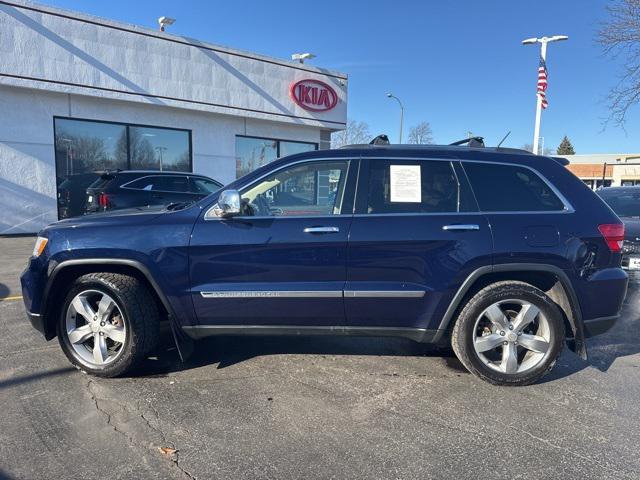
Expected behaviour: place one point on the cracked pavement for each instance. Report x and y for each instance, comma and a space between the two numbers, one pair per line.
311, 408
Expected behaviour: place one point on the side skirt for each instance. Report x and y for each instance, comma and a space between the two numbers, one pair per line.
416, 334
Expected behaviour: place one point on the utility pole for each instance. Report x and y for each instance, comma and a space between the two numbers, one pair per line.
543, 55
160, 151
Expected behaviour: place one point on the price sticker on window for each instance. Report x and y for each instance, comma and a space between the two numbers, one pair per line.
405, 183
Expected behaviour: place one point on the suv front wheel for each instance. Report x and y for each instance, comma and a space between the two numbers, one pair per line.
108, 323
509, 333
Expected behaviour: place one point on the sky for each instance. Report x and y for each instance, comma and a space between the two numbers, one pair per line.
457, 64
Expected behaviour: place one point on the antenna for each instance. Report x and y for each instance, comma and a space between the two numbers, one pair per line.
504, 138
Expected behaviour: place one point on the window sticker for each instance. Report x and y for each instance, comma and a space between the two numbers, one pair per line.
405, 183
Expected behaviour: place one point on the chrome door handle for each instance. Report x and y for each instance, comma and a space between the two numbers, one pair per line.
321, 230
461, 226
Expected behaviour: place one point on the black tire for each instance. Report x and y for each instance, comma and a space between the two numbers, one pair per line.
463, 334
140, 316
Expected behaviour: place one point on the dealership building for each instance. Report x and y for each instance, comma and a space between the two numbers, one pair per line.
606, 169
82, 94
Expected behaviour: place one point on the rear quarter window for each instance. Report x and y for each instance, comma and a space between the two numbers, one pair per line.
510, 188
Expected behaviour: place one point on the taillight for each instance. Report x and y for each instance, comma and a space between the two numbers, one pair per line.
613, 234
103, 200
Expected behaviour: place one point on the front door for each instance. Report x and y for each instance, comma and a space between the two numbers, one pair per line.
282, 262
415, 236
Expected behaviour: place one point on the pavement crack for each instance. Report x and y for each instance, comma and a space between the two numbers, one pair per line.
567, 450
174, 457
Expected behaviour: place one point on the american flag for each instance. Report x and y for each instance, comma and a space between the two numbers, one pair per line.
542, 83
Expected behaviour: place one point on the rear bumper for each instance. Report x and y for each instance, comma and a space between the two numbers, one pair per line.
597, 326
601, 295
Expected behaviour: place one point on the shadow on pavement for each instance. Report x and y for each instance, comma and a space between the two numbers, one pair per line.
17, 380
4, 290
622, 340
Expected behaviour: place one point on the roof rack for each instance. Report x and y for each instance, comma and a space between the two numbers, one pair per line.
472, 142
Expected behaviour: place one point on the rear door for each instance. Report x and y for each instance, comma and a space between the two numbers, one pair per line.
416, 236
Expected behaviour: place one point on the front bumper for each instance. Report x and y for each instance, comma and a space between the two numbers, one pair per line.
37, 322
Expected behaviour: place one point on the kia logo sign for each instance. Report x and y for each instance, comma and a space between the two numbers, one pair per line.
313, 95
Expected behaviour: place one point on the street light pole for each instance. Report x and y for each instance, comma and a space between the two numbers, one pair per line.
160, 151
391, 95
543, 55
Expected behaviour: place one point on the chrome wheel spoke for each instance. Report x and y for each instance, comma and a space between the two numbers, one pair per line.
527, 314
99, 348
496, 316
80, 334
115, 333
509, 362
105, 307
534, 343
488, 342
83, 308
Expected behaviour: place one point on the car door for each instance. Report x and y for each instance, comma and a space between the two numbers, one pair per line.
282, 262
415, 237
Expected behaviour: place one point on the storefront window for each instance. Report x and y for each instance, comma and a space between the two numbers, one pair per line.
252, 152
159, 149
83, 148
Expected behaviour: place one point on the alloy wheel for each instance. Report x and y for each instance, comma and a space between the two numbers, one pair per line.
95, 328
512, 336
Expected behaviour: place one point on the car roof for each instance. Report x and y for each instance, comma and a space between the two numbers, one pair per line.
626, 188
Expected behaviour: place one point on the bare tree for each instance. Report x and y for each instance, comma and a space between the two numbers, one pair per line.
619, 36
354, 133
421, 134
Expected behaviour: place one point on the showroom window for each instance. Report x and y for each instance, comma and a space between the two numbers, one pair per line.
254, 152
84, 147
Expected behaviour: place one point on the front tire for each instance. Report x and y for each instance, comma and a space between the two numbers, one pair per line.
108, 323
509, 333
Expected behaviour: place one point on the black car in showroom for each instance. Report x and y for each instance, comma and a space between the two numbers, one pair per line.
625, 201
145, 188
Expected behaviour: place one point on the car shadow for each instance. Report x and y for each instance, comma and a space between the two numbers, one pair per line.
226, 351
622, 340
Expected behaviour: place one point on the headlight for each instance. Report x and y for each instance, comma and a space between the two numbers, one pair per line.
41, 242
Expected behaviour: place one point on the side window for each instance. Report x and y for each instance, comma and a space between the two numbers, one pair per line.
171, 183
204, 185
307, 189
144, 183
509, 188
413, 187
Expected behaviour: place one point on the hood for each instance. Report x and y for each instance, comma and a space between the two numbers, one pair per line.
631, 228
125, 216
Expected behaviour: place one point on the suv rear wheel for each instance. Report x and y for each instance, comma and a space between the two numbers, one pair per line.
509, 333
108, 323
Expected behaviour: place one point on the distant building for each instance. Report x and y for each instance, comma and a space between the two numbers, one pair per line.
606, 169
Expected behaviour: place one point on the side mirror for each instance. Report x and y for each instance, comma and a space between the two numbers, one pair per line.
228, 204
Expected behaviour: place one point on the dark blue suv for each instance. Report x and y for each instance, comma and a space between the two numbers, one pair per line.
502, 254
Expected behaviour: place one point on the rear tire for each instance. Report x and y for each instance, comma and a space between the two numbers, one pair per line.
108, 323
509, 333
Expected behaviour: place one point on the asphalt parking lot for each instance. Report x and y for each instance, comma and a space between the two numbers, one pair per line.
311, 408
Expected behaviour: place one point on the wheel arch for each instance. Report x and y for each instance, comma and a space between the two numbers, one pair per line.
548, 278
69, 270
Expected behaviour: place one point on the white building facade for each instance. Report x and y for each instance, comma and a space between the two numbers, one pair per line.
81, 94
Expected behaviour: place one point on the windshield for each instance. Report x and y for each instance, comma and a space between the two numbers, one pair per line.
624, 202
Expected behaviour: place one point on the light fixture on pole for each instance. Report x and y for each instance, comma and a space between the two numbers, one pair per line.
391, 95
543, 58
165, 21
301, 57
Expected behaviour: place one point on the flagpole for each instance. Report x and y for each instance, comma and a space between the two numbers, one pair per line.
543, 55
536, 130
